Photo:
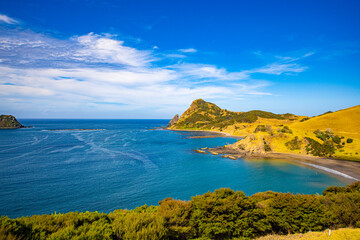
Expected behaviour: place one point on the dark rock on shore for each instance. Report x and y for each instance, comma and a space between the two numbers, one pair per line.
9, 122
174, 120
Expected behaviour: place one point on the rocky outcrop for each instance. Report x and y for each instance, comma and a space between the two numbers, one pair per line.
9, 122
174, 120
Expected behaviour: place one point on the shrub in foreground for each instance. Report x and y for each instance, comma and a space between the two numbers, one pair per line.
222, 214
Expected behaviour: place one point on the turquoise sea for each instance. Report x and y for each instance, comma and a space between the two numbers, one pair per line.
126, 165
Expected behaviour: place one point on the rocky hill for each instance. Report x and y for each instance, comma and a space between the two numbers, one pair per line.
208, 116
9, 122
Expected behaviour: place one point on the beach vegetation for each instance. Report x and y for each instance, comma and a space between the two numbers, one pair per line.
327, 149
294, 144
304, 119
260, 128
285, 129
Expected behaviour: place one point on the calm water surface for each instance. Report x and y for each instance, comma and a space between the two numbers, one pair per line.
127, 165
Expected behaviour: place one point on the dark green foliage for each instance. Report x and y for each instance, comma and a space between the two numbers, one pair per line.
9, 121
328, 135
328, 138
285, 129
317, 149
304, 119
293, 144
290, 213
260, 128
222, 214
349, 140
322, 135
267, 148
207, 115
325, 113
336, 139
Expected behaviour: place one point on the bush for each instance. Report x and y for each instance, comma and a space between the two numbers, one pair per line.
318, 149
293, 144
267, 148
260, 128
304, 119
285, 129
222, 214
336, 139
322, 135
349, 140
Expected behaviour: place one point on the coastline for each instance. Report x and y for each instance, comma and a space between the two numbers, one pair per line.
349, 171
208, 131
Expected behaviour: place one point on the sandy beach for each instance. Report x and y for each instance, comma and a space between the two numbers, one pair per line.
348, 170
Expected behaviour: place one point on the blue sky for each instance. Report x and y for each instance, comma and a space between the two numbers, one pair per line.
150, 59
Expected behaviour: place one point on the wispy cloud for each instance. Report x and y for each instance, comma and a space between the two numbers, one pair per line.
188, 50
99, 72
97, 48
279, 68
8, 20
289, 59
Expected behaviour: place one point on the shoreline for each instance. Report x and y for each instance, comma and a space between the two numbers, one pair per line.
348, 171
344, 169
208, 131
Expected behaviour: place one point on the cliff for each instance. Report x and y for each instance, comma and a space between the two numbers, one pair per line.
9, 122
173, 120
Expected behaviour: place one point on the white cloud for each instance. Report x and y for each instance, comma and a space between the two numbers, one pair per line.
8, 20
96, 48
187, 50
207, 72
98, 73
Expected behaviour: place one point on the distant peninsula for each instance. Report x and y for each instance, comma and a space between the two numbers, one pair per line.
9, 122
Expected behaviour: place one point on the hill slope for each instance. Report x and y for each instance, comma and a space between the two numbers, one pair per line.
208, 116
335, 135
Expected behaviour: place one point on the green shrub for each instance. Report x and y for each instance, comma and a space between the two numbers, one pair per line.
293, 144
322, 135
267, 148
260, 128
349, 140
304, 119
285, 129
222, 214
318, 149
336, 139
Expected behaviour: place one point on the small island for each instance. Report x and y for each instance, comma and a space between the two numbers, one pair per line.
9, 122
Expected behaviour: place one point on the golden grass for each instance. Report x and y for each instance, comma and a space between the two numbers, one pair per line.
344, 123
340, 234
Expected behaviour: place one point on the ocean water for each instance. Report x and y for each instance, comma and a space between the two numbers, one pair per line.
126, 165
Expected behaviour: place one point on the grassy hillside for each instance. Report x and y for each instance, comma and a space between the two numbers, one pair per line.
206, 116
335, 135
8, 122
222, 214
339, 234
